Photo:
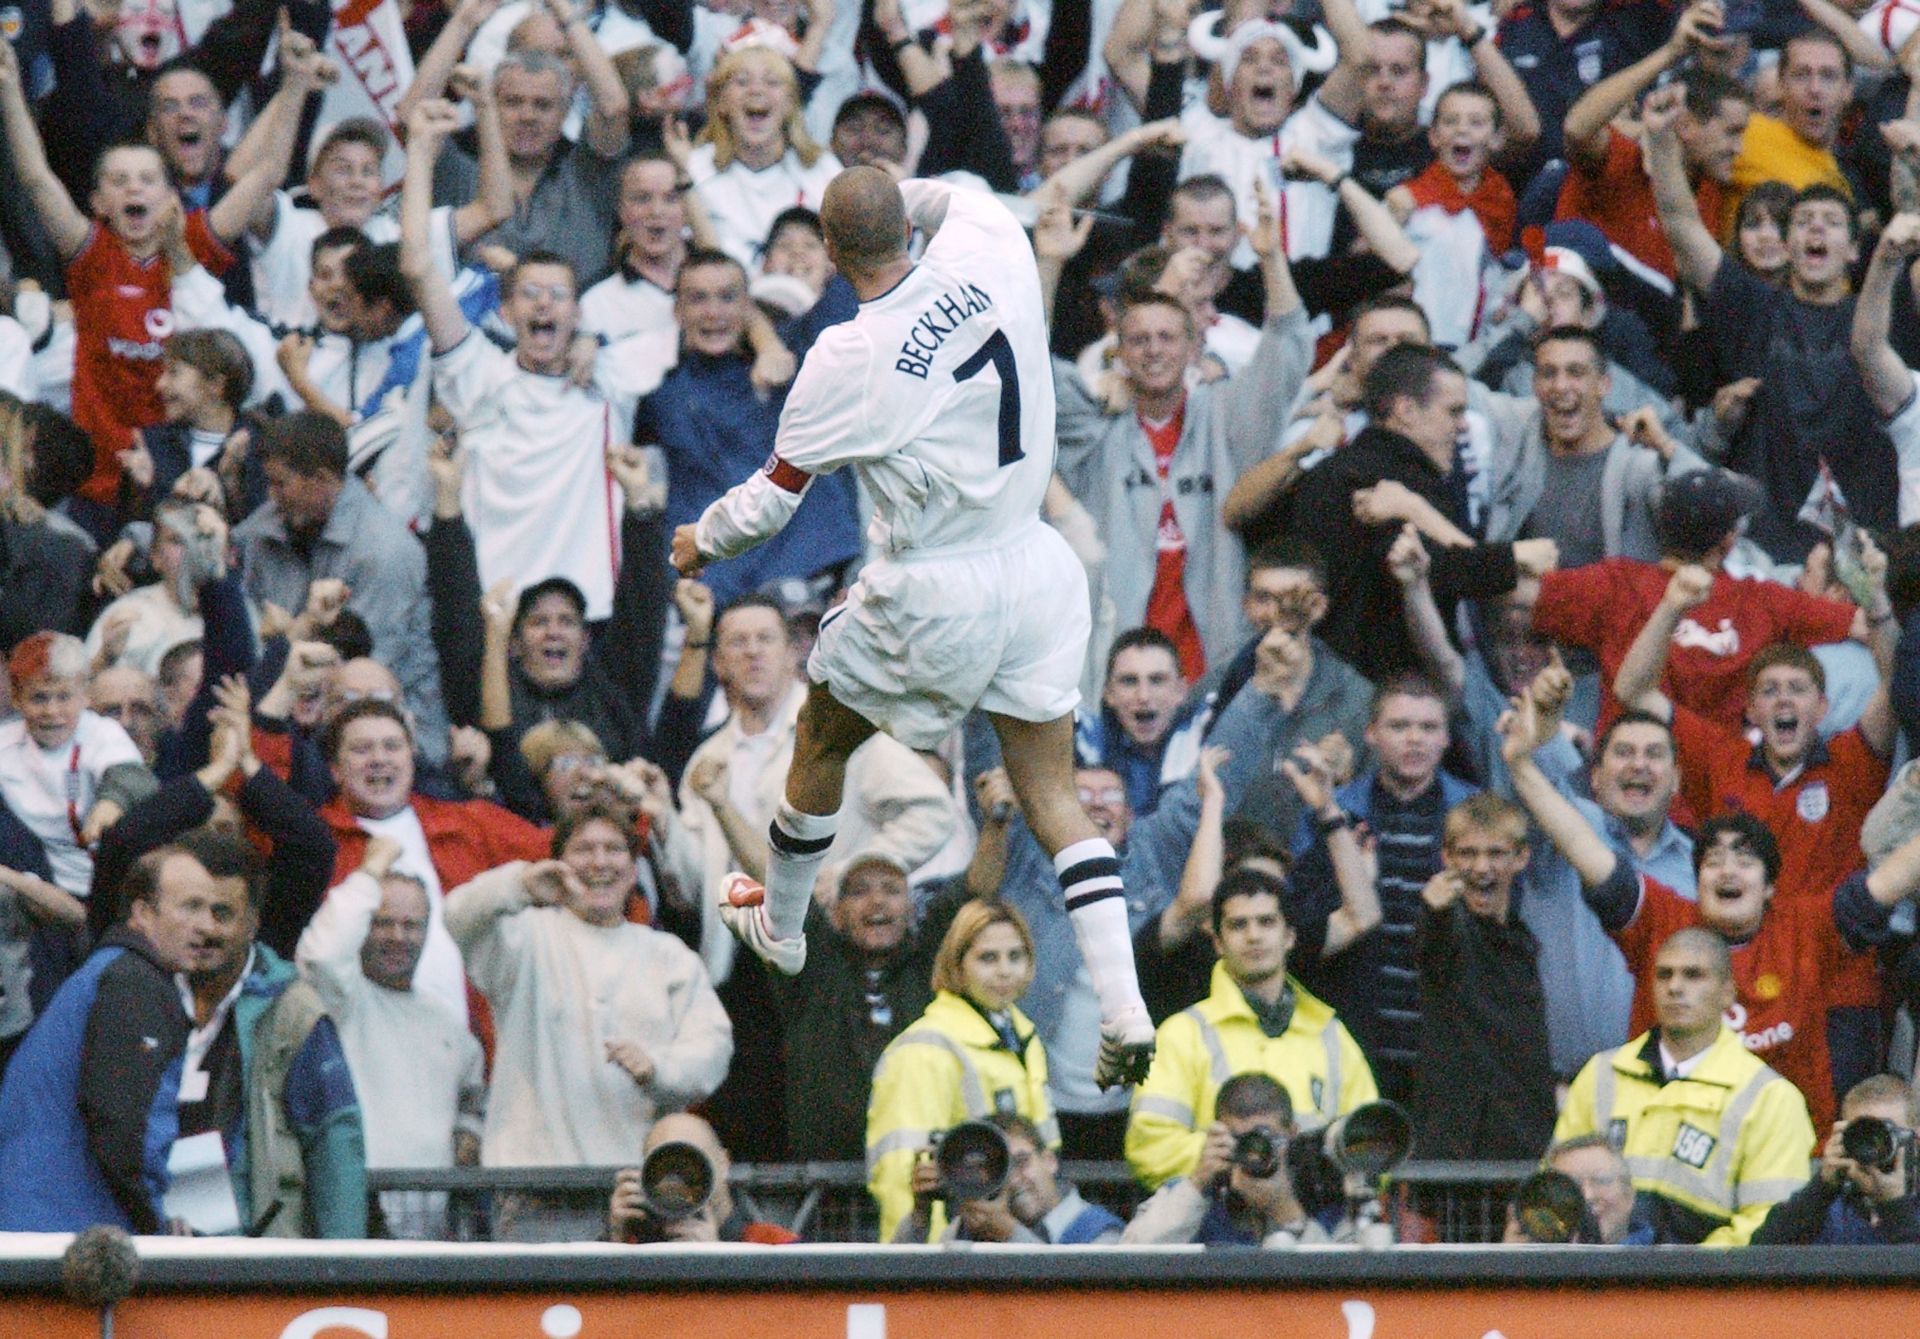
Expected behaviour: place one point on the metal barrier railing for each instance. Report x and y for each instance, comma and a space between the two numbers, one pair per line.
1460, 1202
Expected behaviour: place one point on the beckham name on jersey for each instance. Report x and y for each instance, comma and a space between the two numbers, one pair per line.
930, 331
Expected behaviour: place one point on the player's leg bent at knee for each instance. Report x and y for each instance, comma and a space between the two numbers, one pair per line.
806, 818
1039, 762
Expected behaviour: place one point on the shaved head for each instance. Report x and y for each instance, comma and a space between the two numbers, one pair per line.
864, 219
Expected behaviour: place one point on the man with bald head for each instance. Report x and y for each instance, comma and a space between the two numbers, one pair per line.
632, 1220
939, 394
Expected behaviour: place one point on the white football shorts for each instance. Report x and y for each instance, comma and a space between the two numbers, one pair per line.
924, 638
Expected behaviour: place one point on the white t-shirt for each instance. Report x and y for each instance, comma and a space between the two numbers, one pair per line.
538, 496
743, 202
283, 264
51, 790
939, 394
441, 975
1307, 208
617, 307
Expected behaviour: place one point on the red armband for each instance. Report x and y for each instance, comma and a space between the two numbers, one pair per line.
787, 478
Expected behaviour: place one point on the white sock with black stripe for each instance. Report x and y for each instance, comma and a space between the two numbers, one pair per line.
796, 844
1096, 902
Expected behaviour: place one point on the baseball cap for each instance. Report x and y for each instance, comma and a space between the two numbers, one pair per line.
1698, 509
550, 586
870, 855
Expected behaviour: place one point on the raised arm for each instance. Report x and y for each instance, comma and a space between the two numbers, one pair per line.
1353, 870
609, 128
1342, 93
66, 226
1282, 296
819, 16
1143, 32
1519, 118
1888, 380
1878, 722
1410, 564
492, 203
1695, 253
304, 70
1865, 53
427, 129
1371, 219
1082, 177
1531, 724
1588, 119
436, 67
1637, 682
922, 71
1057, 239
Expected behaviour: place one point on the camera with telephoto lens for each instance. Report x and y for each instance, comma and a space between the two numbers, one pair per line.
974, 1160
1874, 1143
677, 1180
1550, 1210
1258, 1152
1343, 1160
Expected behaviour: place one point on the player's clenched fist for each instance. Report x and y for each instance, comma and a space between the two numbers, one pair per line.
686, 553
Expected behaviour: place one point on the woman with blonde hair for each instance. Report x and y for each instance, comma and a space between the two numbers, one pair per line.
971, 1055
755, 157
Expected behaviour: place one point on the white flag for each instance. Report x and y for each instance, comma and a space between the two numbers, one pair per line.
370, 47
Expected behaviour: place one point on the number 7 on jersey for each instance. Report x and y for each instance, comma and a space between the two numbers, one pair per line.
999, 352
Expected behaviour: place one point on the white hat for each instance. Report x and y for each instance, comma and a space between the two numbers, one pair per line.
787, 292
1203, 35
1567, 261
759, 32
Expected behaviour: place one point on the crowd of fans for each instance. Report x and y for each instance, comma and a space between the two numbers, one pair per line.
1489, 433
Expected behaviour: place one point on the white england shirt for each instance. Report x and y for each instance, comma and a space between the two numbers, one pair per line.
939, 394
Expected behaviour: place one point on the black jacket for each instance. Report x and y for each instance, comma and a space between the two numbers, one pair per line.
1365, 623
1484, 1086
297, 874
830, 1040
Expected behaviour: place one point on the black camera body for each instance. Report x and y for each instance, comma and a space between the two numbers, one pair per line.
1874, 1143
1258, 1152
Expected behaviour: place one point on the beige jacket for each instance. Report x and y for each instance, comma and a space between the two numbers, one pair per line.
893, 801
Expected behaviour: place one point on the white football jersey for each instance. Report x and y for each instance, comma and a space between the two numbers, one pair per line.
940, 392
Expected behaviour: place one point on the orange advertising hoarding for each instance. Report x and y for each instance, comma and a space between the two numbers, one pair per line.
1400, 1313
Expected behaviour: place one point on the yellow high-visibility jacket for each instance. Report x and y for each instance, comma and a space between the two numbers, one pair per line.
1721, 1146
1316, 1059
949, 1066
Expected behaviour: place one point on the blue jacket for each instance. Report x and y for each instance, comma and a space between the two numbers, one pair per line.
90, 1105
716, 430
1100, 741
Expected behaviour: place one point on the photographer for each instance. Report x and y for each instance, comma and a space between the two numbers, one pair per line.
632, 1219
1864, 1195
1241, 1192
1031, 1207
